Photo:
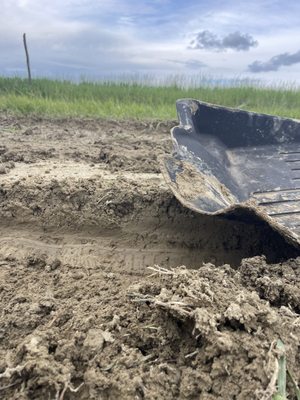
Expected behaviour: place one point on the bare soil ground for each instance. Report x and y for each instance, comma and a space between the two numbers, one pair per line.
84, 213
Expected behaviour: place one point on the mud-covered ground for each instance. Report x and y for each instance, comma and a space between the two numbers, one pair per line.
94, 303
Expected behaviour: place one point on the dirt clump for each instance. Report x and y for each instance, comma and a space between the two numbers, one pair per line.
279, 284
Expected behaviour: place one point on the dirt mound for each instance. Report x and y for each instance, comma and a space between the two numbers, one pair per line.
179, 334
84, 210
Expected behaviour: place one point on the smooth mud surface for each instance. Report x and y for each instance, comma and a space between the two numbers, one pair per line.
84, 213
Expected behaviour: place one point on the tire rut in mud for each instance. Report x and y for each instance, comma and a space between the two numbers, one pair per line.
123, 225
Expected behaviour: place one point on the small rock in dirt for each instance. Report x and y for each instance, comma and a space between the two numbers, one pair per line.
55, 264
35, 308
47, 306
3, 170
78, 275
110, 275
108, 337
63, 318
44, 307
17, 125
20, 299
114, 323
95, 339
12, 156
35, 261
9, 165
2, 334
28, 132
3, 149
10, 258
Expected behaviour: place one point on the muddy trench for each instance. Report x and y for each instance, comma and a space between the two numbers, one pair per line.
133, 222
88, 226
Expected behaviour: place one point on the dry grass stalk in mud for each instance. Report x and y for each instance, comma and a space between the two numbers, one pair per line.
160, 270
276, 389
8, 386
67, 386
177, 306
9, 373
180, 307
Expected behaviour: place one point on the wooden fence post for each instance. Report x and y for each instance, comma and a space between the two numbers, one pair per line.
27, 58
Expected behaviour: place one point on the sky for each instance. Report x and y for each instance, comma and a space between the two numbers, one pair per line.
96, 38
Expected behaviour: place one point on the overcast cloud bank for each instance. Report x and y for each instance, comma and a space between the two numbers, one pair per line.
92, 38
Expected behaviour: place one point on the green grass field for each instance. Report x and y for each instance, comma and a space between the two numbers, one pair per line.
135, 100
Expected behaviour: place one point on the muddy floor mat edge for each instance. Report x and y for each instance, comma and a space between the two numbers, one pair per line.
227, 161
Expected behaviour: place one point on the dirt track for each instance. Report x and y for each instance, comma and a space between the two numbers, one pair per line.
84, 211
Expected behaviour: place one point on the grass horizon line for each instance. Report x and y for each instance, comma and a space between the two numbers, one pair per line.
130, 99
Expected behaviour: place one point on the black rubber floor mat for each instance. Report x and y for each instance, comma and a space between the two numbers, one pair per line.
227, 160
